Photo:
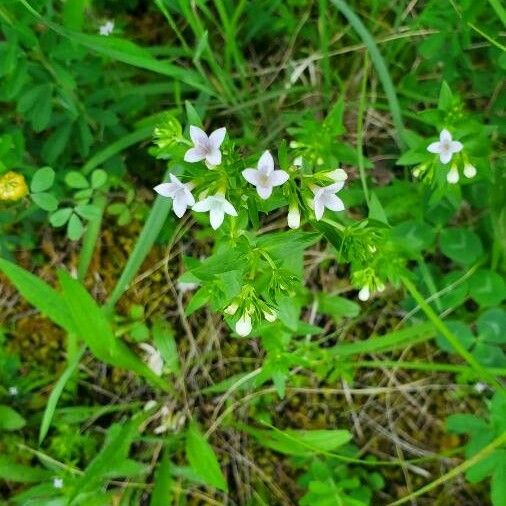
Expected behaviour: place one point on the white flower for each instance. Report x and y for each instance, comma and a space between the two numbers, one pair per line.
179, 192
243, 325
453, 175
154, 358
293, 217
232, 309
107, 28
469, 170
151, 404
205, 147
58, 483
13, 391
298, 161
264, 177
218, 206
184, 287
480, 387
445, 147
324, 197
338, 175
364, 293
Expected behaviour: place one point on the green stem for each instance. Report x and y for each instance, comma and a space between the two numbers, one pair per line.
450, 336
478, 457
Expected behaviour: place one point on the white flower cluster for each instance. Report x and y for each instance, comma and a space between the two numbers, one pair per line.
446, 147
264, 178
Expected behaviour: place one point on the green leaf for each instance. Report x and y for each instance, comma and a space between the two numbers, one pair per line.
75, 179
73, 13
60, 217
94, 328
56, 393
42, 180
202, 458
461, 245
461, 331
376, 211
487, 288
98, 178
163, 336
88, 211
46, 299
466, 424
301, 442
498, 489
492, 326
12, 471
445, 97
10, 419
337, 307
75, 228
45, 201
162, 491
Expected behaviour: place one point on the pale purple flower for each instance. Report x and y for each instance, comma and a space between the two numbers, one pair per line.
445, 147
264, 177
217, 206
324, 197
205, 147
179, 192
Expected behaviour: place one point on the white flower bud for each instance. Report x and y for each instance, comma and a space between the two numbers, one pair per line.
381, 287
453, 175
243, 325
232, 309
58, 483
338, 175
364, 294
416, 172
293, 217
298, 161
270, 316
150, 405
469, 170
13, 391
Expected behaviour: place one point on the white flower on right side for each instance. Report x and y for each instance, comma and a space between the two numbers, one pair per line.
154, 358
446, 147
264, 177
325, 197
107, 28
179, 192
205, 147
217, 206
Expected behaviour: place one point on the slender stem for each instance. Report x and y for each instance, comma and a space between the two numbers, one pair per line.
360, 131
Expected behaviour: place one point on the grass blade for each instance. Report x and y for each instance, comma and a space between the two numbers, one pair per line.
379, 64
56, 393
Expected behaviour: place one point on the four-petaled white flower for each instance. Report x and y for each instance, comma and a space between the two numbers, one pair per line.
324, 197
445, 147
107, 28
218, 206
205, 147
264, 177
58, 483
179, 192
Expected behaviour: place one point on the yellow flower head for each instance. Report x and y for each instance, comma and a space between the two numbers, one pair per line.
12, 186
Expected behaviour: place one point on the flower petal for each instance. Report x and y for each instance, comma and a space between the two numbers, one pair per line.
333, 202
456, 146
217, 137
216, 216
194, 155
198, 136
319, 208
266, 162
174, 179
214, 157
229, 208
334, 187
166, 189
190, 199
445, 156
202, 206
179, 205
251, 175
435, 147
264, 192
445, 136
278, 177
